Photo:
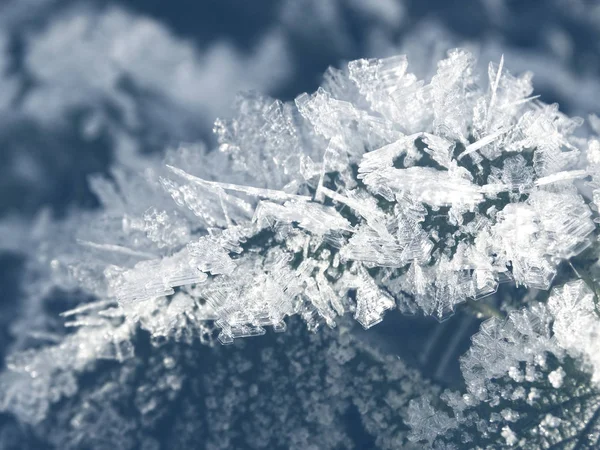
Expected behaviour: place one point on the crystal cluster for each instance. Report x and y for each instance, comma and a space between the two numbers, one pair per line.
378, 186
378, 191
528, 383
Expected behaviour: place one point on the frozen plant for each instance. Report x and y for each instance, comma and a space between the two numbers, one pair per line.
532, 381
379, 191
291, 390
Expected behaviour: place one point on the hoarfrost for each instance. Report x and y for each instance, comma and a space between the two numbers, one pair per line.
379, 189
541, 360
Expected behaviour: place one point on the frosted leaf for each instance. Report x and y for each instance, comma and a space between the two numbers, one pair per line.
351, 188
523, 360
316, 380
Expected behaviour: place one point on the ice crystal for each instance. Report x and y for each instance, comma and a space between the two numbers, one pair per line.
377, 191
535, 362
448, 208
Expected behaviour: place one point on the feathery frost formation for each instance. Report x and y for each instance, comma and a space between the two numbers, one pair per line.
379, 191
291, 390
532, 381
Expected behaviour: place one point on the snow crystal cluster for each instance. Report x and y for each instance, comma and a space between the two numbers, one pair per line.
529, 382
379, 191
